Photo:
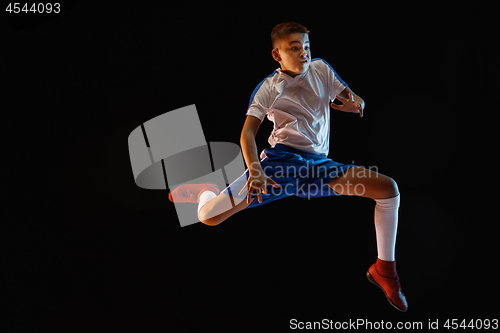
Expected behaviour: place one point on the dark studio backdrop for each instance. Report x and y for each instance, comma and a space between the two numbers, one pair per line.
85, 248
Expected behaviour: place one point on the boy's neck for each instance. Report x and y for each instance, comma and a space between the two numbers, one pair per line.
292, 74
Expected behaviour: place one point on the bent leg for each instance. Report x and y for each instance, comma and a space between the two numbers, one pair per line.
220, 208
370, 184
365, 183
384, 190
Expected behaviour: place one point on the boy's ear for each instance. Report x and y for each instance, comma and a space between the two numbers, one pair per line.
276, 55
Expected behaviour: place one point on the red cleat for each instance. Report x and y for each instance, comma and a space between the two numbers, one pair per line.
390, 287
191, 192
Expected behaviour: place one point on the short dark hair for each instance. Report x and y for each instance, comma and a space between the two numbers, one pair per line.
285, 29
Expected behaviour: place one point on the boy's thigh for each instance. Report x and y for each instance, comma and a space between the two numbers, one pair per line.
364, 182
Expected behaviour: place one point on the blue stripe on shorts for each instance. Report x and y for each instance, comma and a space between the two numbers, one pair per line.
298, 173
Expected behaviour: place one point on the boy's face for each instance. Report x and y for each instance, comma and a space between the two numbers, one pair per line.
293, 54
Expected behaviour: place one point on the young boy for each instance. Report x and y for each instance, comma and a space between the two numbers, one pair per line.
296, 97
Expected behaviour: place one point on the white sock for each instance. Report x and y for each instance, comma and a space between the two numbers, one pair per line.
204, 198
386, 227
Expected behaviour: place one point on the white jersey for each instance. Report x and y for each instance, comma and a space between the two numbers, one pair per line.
299, 107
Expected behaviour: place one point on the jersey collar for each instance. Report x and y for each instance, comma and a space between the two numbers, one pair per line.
296, 78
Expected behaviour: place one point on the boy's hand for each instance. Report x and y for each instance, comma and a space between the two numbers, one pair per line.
348, 105
257, 183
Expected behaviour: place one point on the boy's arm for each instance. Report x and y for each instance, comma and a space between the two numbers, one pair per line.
248, 144
350, 102
257, 180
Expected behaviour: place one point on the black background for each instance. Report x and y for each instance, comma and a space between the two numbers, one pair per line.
85, 249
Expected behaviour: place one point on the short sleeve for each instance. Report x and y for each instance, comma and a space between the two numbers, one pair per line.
335, 84
260, 101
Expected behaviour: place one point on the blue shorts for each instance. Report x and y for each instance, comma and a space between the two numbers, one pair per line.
298, 173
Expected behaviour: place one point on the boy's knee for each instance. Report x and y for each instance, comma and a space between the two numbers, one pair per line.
211, 222
389, 188
206, 218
